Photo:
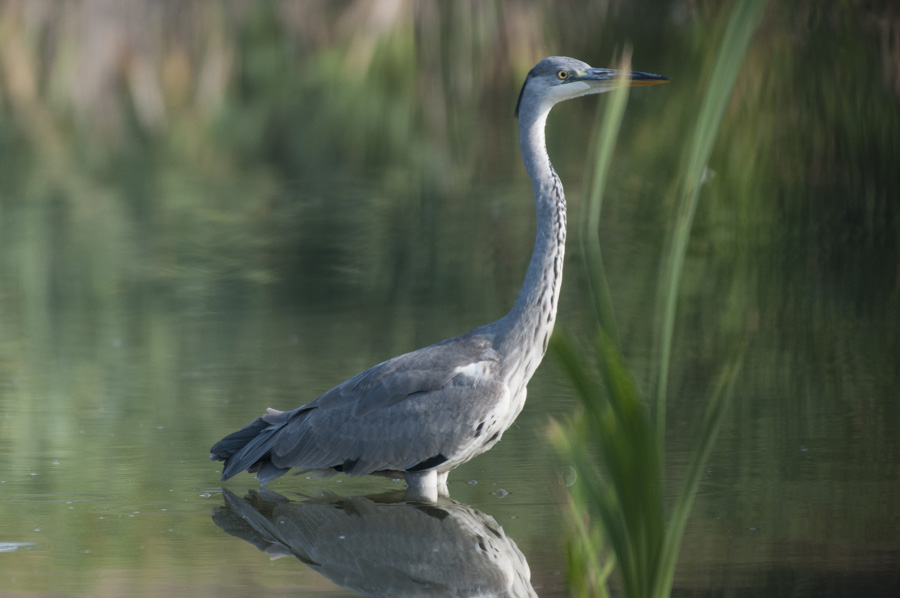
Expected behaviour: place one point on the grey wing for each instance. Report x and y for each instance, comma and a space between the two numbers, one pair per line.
411, 413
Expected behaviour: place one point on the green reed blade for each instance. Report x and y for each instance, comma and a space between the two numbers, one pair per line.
604, 147
743, 23
625, 494
707, 432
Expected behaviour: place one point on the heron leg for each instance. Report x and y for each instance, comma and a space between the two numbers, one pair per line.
426, 485
421, 479
442, 484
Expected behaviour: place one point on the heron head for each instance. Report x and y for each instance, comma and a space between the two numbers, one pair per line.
559, 78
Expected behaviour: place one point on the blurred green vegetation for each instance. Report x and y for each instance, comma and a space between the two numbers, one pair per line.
208, 208
620, 496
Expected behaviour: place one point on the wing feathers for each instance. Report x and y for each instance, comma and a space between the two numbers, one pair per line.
411, 411
395, 438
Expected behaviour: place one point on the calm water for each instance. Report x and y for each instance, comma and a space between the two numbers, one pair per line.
162, 282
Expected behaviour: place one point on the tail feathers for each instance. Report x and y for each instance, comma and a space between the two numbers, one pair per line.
248, 448
231, 444
268, 471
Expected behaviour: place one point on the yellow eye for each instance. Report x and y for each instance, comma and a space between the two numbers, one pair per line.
562, 74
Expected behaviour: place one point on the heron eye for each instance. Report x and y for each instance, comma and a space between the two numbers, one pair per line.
562, 74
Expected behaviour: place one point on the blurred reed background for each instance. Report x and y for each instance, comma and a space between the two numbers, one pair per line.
209, 109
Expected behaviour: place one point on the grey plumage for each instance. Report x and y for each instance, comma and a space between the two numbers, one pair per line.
421, 414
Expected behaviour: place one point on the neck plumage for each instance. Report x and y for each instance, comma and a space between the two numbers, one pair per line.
525, 331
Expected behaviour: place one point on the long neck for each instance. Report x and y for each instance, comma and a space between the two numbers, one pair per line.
525, 330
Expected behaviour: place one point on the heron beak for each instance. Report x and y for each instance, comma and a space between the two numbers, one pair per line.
632, 78
638, 79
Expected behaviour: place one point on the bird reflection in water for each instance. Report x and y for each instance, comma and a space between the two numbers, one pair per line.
381, 545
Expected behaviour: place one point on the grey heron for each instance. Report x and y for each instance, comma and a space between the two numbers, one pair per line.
424, 413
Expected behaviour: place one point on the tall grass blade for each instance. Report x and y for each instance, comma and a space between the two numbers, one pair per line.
614, 110
707, 433
743, 23
624, 494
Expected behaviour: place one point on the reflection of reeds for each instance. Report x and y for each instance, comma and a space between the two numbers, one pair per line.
623, 498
